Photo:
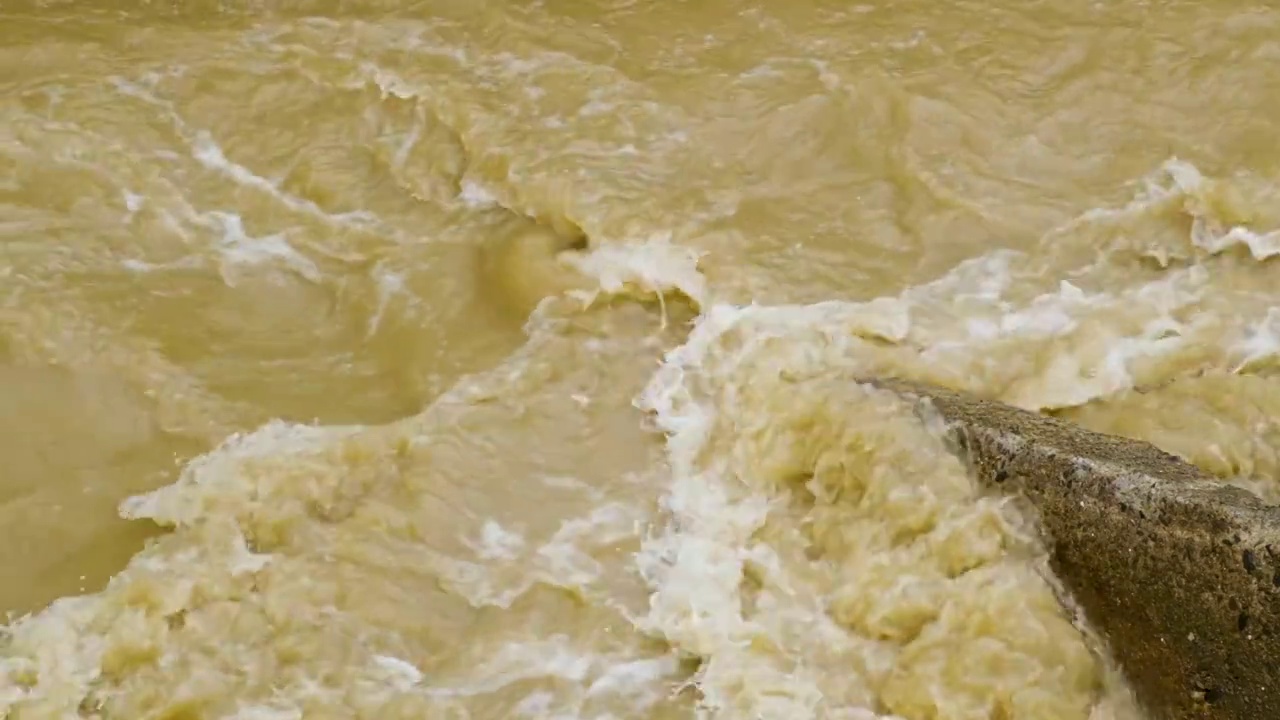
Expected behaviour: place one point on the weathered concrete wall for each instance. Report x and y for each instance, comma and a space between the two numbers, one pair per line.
1179, 572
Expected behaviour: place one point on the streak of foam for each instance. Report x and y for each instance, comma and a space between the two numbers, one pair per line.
239, 248
389, 285
205, 150
210, 154
603, 675
509, 567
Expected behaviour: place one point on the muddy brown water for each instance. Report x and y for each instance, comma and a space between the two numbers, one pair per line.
482, 359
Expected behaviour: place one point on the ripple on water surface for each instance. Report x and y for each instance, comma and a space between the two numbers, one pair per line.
499, 361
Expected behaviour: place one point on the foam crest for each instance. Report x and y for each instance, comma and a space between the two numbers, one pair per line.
651, 266
1208, 216
814, 524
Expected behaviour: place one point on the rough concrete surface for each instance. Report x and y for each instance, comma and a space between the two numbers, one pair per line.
1179, 572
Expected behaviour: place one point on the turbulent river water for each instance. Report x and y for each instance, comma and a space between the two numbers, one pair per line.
465, 359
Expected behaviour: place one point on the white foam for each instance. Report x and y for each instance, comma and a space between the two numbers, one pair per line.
496, 542
550, 657
512, 565
389, 284
1180, 183
132, 203
238, 248
402, 674
62, 653
536, 704
1260, 342
217, 478
477, 196
1209, 233
652, 265
636, 678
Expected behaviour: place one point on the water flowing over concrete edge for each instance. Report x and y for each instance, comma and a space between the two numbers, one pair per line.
1178, 571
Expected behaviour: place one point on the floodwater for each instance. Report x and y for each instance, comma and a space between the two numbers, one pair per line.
464, 359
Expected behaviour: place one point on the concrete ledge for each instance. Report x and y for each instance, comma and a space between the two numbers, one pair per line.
1179, 572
